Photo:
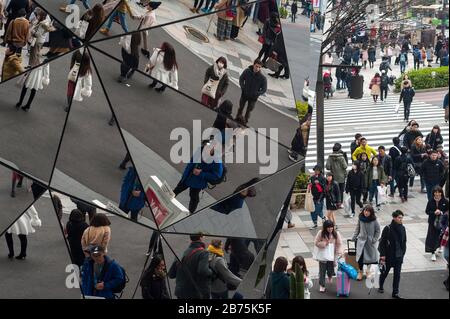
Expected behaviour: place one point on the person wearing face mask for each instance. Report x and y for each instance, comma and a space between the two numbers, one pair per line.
354, 185
216, 83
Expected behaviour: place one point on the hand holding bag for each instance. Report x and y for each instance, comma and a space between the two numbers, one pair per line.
309, 201
210, 88
324, 254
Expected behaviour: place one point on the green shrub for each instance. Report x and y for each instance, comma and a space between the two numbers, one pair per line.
283, 13
421, 79
301, 181
302, 108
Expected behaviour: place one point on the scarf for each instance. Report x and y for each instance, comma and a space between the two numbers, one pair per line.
219, 73
214, 250
365, 219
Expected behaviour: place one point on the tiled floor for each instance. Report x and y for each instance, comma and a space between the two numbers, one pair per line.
300, 240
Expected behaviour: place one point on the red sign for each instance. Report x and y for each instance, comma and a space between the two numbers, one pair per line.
159, 211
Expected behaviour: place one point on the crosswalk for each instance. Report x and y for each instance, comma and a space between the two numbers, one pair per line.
377, 122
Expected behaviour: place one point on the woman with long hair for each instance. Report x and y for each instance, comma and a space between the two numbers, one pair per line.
332, 197
130, 55
375, 177
436, 210
375, 87
366, 235
329, 247
153, 282
98, 233
434, 138
163, 67
74, 231
80, 78
308, 283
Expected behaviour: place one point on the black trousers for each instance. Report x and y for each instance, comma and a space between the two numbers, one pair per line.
406, 110
397, 265
251, 105
194, 195
198, 4
355, 196
23, 244
129, 64
341, 192
267, 51
402, 182
30, 99
384, 92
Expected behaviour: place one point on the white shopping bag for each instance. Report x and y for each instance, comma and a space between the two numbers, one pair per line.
382, 194
324, 254
347, 204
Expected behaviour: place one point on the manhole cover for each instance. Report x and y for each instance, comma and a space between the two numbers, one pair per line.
195, 33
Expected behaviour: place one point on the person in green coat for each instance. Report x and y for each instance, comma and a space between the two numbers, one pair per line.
337, 164
375, 177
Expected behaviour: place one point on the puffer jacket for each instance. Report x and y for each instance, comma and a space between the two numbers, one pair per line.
338, 166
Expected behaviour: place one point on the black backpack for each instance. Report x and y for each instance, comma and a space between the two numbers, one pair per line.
384, 81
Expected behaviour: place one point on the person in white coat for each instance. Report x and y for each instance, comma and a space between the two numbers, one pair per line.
34, 81
80, 78
22, 228
163, 67
148, 21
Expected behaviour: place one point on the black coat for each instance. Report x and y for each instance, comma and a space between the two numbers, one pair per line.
154, 287
223, 83
407, 95
252, 84
317, 196
74, 233
390, 240
332, 193
434, 140
432, 241
355, 181
401, 165
409, 138
432, 171
394, 152
386, 161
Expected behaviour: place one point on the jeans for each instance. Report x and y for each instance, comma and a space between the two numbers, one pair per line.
122, 18
355, 196
397, 265
402, 67
325, 268
317, 212
85, 3
194, 195
422, 182
373, 190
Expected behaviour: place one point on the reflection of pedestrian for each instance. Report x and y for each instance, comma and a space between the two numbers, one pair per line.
280, 49
153, 280
148, 21
119, 13
85, 208
163, 67
215, 83
96, 17
16, 35
74, 230
12, 64
16, 177
271, 31
197, 175
80, 78
132, 196
98, 233
225, 19
236, 201
22, 228
253, 84
241, 258
130, 55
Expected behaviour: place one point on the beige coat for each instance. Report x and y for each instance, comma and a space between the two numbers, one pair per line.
96, 236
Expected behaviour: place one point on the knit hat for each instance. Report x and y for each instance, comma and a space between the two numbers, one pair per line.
337, 147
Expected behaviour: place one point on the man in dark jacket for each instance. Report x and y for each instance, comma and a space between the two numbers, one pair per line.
386, 161
348, 54
294, 10
192, 273
384, 85
432, 171
253, 84
280, 49
384, 65
437, 49
100, 275
392, 249
406, 95
198, 173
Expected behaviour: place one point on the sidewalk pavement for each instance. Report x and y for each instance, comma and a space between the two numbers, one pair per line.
299, 241
240, 53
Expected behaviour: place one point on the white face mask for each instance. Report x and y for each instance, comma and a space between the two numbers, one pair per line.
220, 65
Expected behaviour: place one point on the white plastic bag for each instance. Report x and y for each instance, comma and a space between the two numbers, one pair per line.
324, 254
347, 204
382, 194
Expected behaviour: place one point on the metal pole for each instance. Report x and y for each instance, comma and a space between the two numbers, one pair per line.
320, 136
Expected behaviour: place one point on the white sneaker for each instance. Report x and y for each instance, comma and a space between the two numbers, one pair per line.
439, 251
433, 257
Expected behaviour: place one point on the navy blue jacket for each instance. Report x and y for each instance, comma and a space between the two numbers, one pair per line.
127, 200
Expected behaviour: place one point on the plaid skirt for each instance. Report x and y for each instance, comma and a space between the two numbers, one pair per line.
224, 29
